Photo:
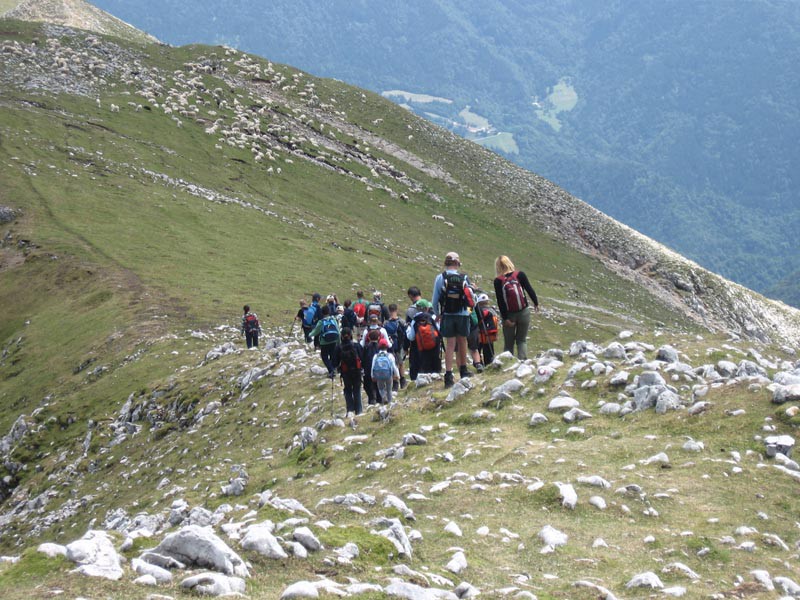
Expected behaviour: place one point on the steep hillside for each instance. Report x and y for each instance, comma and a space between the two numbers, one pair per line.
148, 192
677, 118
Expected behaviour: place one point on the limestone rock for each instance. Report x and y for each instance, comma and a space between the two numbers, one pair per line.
787, 393
457, 564
200, 547
307, 538
300, 589
259, 538
157, 573
214, 584
52, 550
562, 404
95, 555
647, 579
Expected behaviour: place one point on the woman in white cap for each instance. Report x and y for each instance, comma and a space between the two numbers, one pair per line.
510, 287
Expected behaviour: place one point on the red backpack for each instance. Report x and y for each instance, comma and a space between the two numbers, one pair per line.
360, 309
487, 326
513, 294
426, 334
250, 323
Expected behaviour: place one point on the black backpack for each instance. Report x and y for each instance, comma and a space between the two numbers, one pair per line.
349, 359
454, 299
349, 318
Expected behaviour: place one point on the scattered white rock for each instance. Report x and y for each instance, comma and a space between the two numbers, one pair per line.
95, 555
214, 584
200, 547
646, 579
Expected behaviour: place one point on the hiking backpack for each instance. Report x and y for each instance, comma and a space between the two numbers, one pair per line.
487, 326
382, 367
394, 329
375, 309
330, 330
251, 323
310, 316
513, 294
349, 318
349, 360
455, 298
361, 310
425, 332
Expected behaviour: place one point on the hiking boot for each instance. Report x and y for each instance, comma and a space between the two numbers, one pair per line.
479, 367
463, 371
403, 383
449, 381
395, 386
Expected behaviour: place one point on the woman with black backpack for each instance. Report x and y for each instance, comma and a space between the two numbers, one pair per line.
348, 357
510, 287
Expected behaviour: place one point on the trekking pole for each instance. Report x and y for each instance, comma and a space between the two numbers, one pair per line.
291, 331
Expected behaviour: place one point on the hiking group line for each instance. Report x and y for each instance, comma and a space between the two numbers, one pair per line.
367, 342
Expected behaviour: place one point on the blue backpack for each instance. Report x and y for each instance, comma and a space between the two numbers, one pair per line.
330, 330
310, 315
394, 329
382, 367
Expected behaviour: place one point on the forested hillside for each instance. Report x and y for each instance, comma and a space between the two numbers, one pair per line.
677, 118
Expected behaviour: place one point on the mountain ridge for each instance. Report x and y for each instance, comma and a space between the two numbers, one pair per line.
76, 13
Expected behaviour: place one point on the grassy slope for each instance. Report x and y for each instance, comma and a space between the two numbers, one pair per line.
138, 263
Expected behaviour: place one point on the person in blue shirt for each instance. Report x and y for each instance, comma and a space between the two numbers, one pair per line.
452, 300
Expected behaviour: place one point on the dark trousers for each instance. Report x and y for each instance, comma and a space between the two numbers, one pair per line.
352, 393
430, 361
413, 362
370, 388
306, 330
327, 357
252, 338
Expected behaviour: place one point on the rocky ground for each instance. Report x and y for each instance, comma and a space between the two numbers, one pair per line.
212, 551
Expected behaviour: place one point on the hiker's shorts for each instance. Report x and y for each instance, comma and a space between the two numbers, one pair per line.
455, 326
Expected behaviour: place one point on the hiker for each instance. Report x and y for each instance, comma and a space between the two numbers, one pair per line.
333, 303
348, 358
327, 332
310, 320
374, 327
487, 328
370, 344
411, 349
415, 296
250, 327
384, 371
300, 316
452, 299
360, 308
473, 340
510, 286
377, 307
424, 341
396, 330
349, 318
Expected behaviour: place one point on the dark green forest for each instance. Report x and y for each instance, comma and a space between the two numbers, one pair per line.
682, 119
